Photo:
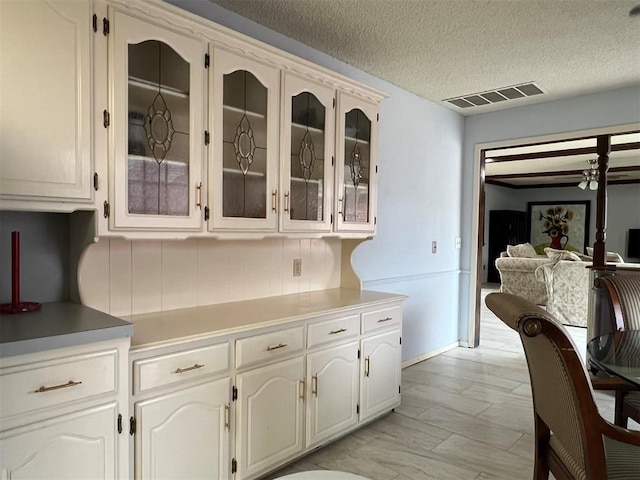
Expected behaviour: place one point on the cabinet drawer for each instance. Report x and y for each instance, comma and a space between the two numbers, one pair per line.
52, 383
333, 330
176, 367
268, 346
382, 318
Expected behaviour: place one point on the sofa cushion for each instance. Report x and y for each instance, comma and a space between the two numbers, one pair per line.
523, 250
557, 255
612, 257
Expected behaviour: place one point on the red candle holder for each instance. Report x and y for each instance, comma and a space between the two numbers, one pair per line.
16, 306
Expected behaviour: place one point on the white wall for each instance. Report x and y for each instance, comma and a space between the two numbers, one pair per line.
620, 215
419, 196
599, 110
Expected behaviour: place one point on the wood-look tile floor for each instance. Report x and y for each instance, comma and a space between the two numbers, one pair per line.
465, 414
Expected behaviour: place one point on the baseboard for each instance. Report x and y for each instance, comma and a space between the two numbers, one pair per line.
433, 353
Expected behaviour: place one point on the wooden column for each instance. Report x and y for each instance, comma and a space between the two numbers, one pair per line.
599, 252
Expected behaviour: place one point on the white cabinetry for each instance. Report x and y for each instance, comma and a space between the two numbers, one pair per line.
332, 375
157, 125
182, 412
380, 388
244, 146
269, 416
45, 106
62, 411
184, 434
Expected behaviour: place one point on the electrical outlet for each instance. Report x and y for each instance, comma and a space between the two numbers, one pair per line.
458, 242
297, 267
434, 247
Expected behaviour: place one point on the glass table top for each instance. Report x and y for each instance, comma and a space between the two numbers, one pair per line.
618, 353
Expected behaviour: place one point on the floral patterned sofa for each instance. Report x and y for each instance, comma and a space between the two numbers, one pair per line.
517, 267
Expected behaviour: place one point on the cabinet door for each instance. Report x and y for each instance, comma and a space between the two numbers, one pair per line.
380, 387
158, 80
269, 416
357, 139
244, 147
308, 136
45, 105
184, 434
332, 392
77, 446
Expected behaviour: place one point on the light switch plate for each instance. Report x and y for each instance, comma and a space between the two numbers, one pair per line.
434, 247
458, 242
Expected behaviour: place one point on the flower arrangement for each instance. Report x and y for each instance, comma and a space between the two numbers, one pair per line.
556, 225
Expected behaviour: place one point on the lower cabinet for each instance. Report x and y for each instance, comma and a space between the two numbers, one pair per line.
78, 446
184, 434
380, 387
332, 406
269, 413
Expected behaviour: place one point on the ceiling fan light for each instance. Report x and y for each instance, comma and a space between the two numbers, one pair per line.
593, 185
583, 184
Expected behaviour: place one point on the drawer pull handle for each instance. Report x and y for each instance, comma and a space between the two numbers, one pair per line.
333, 332
367, 367
70, 383
303, 387
314, 385
227, 417
385, 319
276, 347
188, 369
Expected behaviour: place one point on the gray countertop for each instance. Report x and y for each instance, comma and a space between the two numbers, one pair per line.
58, 325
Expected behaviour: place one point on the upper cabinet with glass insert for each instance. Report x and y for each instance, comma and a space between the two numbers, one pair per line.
357, 136
243, 189
307, 150
158, 78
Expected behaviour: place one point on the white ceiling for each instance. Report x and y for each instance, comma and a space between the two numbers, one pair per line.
439, 49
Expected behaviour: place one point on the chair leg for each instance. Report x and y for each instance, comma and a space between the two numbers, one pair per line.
541, 458
620, 418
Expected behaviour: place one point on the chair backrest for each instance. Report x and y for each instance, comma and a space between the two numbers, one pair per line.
562, 394
623, 289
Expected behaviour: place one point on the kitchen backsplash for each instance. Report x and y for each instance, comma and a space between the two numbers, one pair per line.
124, 277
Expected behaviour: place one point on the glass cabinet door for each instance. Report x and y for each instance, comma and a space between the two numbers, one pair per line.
357, 132
243, 188
158, 94
307, 150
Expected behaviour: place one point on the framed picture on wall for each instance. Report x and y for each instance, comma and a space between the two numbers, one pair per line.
559, 225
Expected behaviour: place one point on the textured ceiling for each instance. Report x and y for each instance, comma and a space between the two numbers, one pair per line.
440, 49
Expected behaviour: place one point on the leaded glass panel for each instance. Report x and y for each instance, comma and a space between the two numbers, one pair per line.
244, 151
307, 158
158, 130
356, 171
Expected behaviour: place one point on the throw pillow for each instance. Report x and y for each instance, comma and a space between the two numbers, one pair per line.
557, 255
612, 257
523, 250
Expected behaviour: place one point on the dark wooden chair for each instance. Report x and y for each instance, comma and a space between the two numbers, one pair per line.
622, 291
572, 440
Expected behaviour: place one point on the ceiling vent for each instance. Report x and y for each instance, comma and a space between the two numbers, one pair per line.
495, 96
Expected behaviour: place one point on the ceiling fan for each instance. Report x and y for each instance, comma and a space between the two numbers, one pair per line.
590, 176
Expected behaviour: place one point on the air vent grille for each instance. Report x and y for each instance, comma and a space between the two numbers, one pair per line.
494, 96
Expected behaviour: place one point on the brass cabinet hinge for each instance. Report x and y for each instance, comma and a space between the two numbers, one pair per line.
106, 209
119, 423
94, 22
207, 137
206, 213
105, 26
96, 181
234, 393
234, 465
132, 426
106, 118
207, 60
